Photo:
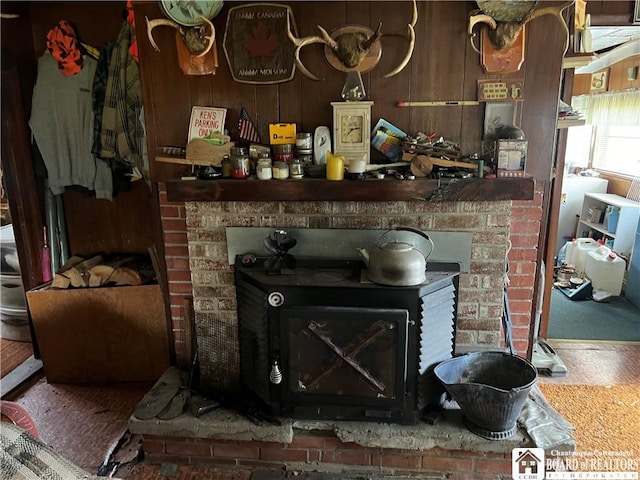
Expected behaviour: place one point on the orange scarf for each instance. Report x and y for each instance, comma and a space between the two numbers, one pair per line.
131, 20
63, 46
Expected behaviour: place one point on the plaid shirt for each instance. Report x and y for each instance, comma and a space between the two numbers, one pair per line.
122, 132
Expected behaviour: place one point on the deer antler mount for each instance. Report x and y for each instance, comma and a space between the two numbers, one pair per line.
354, 47
505, 23
193, 44
506, 18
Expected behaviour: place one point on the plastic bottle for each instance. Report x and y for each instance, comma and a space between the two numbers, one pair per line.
612, 223
607, 212
606, 270
562, 254
567, 252
46, 258
583, 245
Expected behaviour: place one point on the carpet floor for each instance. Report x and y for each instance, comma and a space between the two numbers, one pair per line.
617, 320
606, 418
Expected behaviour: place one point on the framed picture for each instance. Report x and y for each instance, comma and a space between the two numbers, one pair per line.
636, 13
598, 82
498, 114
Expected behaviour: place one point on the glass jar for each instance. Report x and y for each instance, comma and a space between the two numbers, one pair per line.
306, 158
283, 153
240, 166
297, 168
226, 166
263, 169
280, 170
304, 141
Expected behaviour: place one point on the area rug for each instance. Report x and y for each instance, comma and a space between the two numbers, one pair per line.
617, 320
24, 457
606, 418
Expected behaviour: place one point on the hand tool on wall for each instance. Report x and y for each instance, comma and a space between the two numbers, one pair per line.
446, 103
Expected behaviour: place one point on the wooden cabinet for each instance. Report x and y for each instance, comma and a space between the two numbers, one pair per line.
100, 335
592, 221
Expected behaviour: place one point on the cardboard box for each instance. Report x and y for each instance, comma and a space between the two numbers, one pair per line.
281, 133
100, 335
511, 154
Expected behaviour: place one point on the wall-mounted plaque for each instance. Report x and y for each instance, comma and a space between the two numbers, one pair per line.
598, 82
507, 90
256, 43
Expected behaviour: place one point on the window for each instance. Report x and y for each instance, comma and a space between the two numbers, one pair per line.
611, 140
579, 145
617, 149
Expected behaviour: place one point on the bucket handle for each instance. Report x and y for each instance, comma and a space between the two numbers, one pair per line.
506, 322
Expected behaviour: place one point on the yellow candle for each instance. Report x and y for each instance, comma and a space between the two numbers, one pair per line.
335, 167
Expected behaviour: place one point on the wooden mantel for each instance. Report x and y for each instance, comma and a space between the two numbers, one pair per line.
475, 189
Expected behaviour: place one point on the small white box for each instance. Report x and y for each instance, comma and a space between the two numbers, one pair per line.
511, 154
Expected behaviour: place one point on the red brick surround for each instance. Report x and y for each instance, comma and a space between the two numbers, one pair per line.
493, 225
519, 222
328, 453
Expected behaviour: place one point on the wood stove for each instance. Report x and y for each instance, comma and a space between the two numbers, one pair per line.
322, 342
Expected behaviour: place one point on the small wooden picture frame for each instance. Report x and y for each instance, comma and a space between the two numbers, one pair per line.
599, 81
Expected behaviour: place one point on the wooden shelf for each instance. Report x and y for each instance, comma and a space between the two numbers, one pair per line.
571, 122
599, 227
251, 190
577, 60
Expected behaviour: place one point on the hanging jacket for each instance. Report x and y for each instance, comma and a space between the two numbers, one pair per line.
62, 125
122, 131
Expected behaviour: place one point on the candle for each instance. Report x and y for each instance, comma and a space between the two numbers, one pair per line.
335, 167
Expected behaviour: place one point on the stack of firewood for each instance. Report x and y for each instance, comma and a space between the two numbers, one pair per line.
105, 270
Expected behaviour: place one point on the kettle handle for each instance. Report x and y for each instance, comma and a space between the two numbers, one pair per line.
412, 230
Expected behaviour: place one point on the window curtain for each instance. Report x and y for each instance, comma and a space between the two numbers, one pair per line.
613, 108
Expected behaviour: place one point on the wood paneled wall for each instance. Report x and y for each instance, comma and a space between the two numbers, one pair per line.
94, 226
443, 67
610, 12
617, 74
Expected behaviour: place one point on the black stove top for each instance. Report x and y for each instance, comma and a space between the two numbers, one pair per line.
316, 271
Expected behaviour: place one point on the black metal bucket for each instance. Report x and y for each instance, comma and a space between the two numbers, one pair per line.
491, 388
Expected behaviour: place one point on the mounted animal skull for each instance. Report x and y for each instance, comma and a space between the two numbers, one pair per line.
507, 18
195, 38
349, 46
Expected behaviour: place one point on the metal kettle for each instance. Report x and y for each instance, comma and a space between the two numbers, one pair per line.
396, 263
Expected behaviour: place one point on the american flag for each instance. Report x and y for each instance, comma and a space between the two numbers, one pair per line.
246, 129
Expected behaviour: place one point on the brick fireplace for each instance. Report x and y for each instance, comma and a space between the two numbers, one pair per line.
197, 261
196, 253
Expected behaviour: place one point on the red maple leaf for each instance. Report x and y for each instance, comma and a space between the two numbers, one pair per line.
261, 43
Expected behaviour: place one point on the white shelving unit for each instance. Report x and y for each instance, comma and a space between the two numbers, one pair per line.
624, 236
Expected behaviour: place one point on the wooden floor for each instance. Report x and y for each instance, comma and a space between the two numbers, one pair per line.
83, 423
597, 363
13, 354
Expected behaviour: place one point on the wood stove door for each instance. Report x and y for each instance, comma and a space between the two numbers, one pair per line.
343, 355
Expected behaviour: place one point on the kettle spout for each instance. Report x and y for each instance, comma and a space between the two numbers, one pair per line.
365, 255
